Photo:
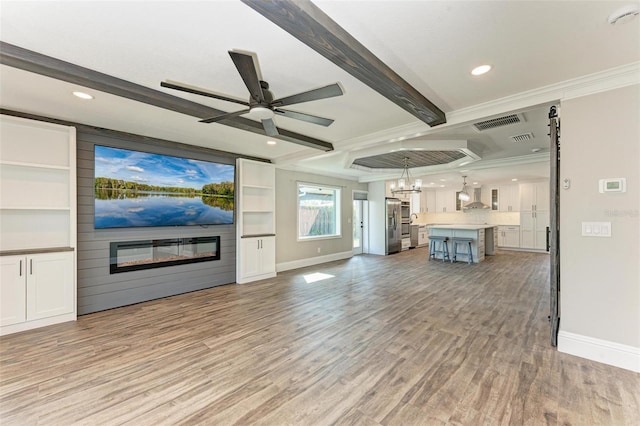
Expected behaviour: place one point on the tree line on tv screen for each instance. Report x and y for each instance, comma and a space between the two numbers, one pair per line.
222, 189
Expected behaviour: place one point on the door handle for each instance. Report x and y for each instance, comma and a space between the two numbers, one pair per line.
30, 266
20, 267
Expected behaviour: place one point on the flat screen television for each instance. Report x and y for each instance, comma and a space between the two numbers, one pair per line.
138, 189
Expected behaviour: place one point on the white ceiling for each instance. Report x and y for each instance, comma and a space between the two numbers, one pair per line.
431, 44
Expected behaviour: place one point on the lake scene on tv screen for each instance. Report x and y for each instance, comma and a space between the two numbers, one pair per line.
136, 189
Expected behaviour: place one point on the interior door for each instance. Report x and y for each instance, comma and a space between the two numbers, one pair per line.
358, 227
554, 226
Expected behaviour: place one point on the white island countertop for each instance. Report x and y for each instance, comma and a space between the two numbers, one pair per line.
461, 226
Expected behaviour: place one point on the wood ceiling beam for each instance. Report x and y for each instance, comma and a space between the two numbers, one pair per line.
18, 57
306, 22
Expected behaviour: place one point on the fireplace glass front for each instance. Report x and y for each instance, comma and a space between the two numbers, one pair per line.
136, 255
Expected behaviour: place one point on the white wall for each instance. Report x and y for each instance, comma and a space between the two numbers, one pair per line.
291, 253
600, 277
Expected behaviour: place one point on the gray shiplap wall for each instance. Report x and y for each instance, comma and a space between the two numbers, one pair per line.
97, 288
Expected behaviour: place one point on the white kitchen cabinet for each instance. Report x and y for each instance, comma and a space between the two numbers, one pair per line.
256, 227
506, 198
534, 215
257, 258
445, 202
38, 219
534, 196
428, 202
533, 229
509, 236
36, 287
13, 290
423, 236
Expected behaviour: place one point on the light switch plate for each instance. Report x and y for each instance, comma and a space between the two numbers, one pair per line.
596, 229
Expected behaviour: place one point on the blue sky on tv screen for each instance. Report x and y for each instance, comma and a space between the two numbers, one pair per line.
158, 170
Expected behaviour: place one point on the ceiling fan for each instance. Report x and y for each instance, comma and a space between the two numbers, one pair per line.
261, 103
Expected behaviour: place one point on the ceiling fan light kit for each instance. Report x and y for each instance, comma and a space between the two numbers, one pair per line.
261, 113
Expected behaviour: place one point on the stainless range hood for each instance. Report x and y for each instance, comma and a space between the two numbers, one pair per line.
476, 203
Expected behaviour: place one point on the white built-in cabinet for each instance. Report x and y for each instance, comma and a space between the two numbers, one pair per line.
445, 202
506, 198
36, 287
427, 201
37, 224
509, 236
534, 215
256, 228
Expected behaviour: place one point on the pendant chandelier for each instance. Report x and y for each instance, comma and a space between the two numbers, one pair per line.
463, 195
404, 184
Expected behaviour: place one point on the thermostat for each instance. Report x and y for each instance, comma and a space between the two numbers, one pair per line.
613, 185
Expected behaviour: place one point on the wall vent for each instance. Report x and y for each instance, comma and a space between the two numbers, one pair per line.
521, 138
499, 122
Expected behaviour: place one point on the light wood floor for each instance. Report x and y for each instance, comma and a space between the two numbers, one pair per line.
390, 340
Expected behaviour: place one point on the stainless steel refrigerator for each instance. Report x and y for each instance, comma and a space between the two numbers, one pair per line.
393, 226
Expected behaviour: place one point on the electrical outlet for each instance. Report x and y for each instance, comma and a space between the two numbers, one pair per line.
319, 250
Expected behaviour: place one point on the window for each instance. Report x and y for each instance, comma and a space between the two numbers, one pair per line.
318, 211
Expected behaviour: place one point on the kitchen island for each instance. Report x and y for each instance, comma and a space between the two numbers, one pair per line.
485, 238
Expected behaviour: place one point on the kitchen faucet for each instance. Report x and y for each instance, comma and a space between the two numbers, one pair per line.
411, 217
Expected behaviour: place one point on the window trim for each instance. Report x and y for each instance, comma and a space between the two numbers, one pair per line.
338, 217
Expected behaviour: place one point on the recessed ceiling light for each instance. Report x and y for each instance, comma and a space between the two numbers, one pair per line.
481, 69
441, 186
514, 180
475, 183
432, 183
271, 142
443, 180
82, 95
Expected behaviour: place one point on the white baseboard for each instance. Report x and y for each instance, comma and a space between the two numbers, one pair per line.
316, 260
604, 351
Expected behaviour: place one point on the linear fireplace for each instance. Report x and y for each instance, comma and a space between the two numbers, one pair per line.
136, 255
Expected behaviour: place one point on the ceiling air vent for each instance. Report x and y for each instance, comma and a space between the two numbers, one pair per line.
498, 122
521, 138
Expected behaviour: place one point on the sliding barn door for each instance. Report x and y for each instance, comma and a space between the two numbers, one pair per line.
554, 226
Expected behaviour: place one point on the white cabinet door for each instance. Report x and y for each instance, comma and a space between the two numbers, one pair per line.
511, 238
268, 255
542, 196
13, 282
428, 202
533, 229
50, 285
258, 258
509, 198
534, 196
445, 201
250, 257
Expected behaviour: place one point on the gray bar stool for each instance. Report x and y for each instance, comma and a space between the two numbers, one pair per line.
444, 247
469, 253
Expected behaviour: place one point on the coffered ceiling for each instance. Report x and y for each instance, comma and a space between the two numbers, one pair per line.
538, 51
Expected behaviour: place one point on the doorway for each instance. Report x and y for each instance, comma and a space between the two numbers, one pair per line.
359, 222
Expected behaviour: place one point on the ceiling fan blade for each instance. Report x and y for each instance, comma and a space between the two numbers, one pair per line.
322, 93
249, 73
304, 117
224, 116
199, 91
270, 127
